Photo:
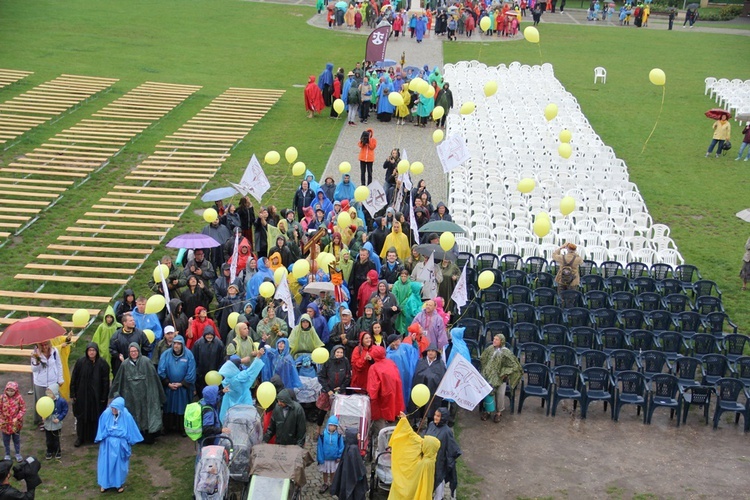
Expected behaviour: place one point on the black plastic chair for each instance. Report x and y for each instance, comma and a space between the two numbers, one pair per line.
665, 392
703, 288
474, 328
660, 271
661, 321
465, 259
622, 360
610, 268
568, 384
588, 267
635, 270
493, 293
510, 261
728, 391
596, 299
495, 311
699, 395
486, 261
687, 274
536, 383
702, 344
715, 367
715, 324
570, 298
591, 282
648, 301
733, 346
535, 264
532, 352
547, 315
672, 344
686, 369
539, 280
577, 316
522, 313
677, 302
526, 332
561, 355
617, 284
518, 294
604, 318
742, 369
611, 339
492, 328
544, 296
555, 334
514, 277
706, 305
653, 363
642, 284
642, 340
630, 389
622, 300
582, 338
594, 359
633, 319
597, 386
670, 286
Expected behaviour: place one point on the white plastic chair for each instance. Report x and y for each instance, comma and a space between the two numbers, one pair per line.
505, 247
646, 255
670, 256
484, 245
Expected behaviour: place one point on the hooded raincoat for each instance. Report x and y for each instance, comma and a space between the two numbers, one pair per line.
413, 463
430, 374
177, 368
279, 361
303, 340
445, 465
405, 358
104, 333
116, 434
384, 387
239, 383
89, 390
350, 480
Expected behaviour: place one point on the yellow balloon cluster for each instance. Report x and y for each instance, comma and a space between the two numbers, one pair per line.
467, 108
81, 318
420, 395
345, 167
485, 279
657, 77
361, 193
266, 394
290, 154
437, 136
526, 185
266, 289
210, 215
417, 168
320, 355
550, 111
338, 106
272, 157
565, 150
300, 269
447, 240
298, 169
325, 259
531, 34
155, 303
567, 205
490, 88
45, 406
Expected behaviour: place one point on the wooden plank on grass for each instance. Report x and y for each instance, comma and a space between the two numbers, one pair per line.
44, 309
89, 258
124, 232
126, 208
71, 279
159, 189
122, 224
80, 269
94, 239
133, 216
55, 296
113, 250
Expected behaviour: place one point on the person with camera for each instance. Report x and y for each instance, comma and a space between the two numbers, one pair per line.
28, 471
367, 144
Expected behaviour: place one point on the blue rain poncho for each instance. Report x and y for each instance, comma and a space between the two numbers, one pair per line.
344, 189
173, 368
405, 357
280, 362
253, 286
459, 345
115, 435
239, 383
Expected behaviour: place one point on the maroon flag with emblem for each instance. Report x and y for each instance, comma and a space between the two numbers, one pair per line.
376, 43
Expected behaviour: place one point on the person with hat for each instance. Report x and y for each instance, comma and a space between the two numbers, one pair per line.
345, 333
208, 352
500, 368
163, 345
177, 374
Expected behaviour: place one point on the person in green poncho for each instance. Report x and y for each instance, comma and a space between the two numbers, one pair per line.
424, 109
104, 332
319, 5
346, 263
500, 367
271, 328
402, 290
436, 77
304, 338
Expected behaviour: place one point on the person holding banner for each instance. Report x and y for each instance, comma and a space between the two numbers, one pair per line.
500, 367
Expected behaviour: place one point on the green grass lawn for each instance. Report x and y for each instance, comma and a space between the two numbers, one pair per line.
226, 43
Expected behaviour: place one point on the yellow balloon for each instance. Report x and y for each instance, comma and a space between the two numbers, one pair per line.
149, 335
429, 92
213, 378
266, 289
565, 150
343, 220
403, 166
485, 279
395, 99
490, 88
279, 275
45, 406
526, 185
467, 108
324, 259
272, 157
567, 205
484, 23
338, 106
420, 395
415, 84
81, 318
417, 168
345, 167
361, 193
266, 394
424, 87
320, 355
542, 227
565, 135
300, 269
155, 303
447, 240
657, 77
298, 169
531, 34
161, 270
232, 320
437, 136
542, 216
550, 111
438, 112
210, 215
290, 154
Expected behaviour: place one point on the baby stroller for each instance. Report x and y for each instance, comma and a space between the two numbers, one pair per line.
354, 411
307, 395
211, 480
278, 472
246, 430
382, 476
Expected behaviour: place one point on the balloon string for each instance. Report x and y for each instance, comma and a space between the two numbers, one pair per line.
282, 183
466, 311
663, 94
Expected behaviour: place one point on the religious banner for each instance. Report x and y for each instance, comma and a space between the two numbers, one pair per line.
376, 43
428, 275
254, 180
377, 200
460, 294
285, 295
453, 152
463, 384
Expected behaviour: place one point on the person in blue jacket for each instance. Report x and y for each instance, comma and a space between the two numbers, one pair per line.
405, 356
330, 450
264, 273
116, 434
279, 362
177, 374
237, 383
53, 423
344, 189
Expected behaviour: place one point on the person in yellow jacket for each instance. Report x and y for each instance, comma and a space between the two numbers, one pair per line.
412, 463
398, 240
402, 112
722, 133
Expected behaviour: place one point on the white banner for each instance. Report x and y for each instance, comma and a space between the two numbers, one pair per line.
413, 223
377, 200
460, 294
254, 180
453, 152
235, 257
428, 275
463, 384
285, 295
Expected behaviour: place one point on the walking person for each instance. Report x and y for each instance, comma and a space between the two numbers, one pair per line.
745, 143
568, 276
367, 144
116, 434
722, 133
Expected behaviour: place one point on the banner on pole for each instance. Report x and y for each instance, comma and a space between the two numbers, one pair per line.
463, 384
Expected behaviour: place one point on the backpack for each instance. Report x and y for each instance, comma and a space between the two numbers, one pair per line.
727, 146
353, 96
194, 421
567, 275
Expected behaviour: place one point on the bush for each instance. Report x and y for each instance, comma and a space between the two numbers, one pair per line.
725, 14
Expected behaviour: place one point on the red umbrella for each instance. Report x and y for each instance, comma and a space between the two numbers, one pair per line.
715, 114
31, 330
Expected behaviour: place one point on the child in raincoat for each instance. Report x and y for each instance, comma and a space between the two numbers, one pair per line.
53, 423
330, 450
12, 410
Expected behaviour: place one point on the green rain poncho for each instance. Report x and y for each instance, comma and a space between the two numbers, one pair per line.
498, 363
275, 328
436, 77
104, 332
346, 265
304, 340
374, 84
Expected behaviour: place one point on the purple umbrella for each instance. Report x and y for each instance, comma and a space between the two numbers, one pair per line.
193, 240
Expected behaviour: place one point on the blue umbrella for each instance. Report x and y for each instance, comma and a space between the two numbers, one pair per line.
219, 194
387, 63
411, 72
342, 5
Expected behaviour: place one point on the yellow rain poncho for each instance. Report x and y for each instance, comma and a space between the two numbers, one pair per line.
304, 340
398, 240
412, 463
403, 110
